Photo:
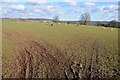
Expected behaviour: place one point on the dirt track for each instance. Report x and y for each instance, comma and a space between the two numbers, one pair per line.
37, 59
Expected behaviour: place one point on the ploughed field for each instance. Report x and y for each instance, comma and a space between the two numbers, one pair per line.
39, 50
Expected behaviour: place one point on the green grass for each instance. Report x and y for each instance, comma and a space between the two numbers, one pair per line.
59, 33
73, 39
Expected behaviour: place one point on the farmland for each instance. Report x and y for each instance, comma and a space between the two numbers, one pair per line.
38, 50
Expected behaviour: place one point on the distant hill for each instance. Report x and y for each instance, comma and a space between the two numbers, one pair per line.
25, 19
48, 20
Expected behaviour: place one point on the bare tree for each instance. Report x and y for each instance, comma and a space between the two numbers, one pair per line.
85, 18
55, 19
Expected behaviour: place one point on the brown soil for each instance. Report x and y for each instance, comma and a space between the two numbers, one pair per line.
37, 59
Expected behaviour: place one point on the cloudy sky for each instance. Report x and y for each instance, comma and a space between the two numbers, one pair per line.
65, 9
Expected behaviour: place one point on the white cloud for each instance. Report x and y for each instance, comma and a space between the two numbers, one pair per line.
108, 8
19, 7
30, 13
71, 2
93, 0
50, 7
43, 10
9, 0
100, 8
37, 10
111, 7
107, 12
89, 4
38, 1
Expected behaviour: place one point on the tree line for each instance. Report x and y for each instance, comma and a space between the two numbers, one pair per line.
112, 23
85, 19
